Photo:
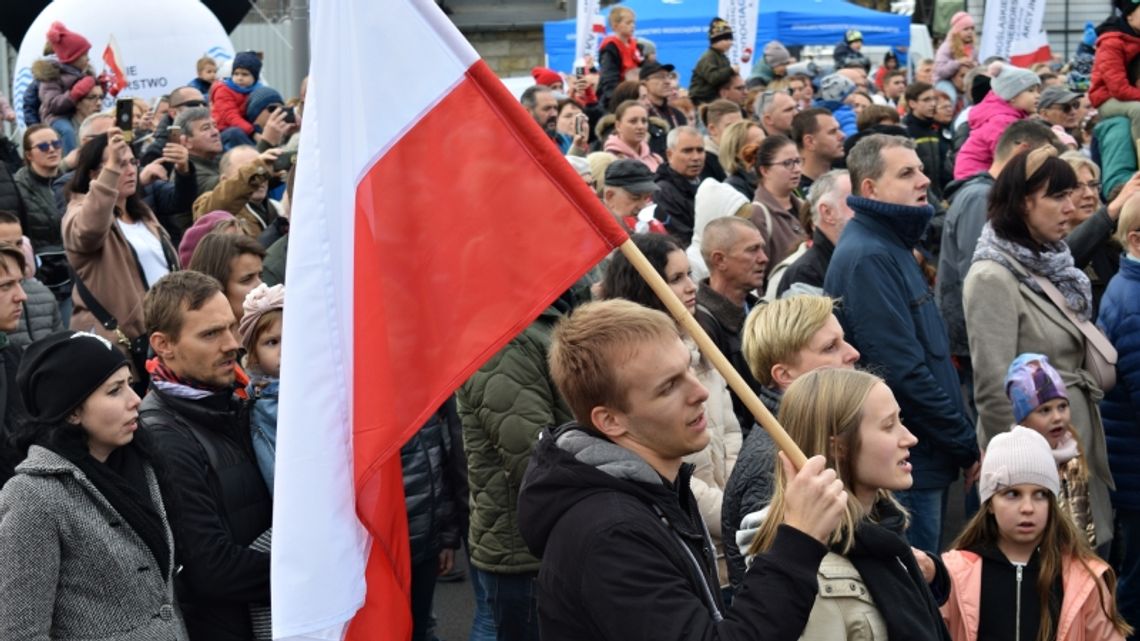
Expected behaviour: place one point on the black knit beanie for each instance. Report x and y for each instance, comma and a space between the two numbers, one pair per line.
58, 372
1126, 7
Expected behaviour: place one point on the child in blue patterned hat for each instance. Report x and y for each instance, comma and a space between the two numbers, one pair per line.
1040, 403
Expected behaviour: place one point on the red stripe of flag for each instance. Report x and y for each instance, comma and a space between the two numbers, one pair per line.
466, 229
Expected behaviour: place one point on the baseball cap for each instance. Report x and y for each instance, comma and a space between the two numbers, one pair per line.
650, 68
1056, 96
631, 175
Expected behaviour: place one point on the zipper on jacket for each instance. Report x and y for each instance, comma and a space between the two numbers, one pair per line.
1017, 624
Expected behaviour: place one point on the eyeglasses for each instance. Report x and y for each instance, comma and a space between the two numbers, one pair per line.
130, 162
189, 103
1093, 185
48, 146
789, 164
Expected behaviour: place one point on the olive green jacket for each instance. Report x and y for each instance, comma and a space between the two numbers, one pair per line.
504, 406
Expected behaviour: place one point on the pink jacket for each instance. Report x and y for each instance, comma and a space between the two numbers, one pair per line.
619, 148
988, 120
1081, 617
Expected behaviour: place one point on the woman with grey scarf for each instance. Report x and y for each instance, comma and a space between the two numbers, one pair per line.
1021, 253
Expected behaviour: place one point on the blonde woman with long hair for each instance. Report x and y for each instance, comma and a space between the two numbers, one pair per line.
871, 585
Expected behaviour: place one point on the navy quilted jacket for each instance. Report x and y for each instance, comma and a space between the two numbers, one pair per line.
1120, 409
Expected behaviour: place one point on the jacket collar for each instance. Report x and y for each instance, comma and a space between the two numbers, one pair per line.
725, 311
623, 466
912, 120
606, 456
766, 198
43, 462
216, 412
666, 173
905, 223
1129, 268
822, 243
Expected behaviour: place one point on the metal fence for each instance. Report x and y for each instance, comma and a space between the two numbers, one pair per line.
275, 41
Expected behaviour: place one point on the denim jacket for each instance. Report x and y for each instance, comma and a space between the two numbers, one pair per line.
263, 390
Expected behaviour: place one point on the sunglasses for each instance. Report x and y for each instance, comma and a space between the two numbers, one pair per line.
189, 103
48, 146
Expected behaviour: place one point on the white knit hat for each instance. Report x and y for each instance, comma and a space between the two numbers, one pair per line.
1018, 456
714, 200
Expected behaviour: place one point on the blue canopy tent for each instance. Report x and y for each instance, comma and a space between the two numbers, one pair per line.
679, 28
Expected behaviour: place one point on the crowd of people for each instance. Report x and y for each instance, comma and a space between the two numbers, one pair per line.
919, 266
928, 270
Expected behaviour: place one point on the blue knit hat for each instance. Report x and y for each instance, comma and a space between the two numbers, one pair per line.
1030, 383
260, 98
249, 61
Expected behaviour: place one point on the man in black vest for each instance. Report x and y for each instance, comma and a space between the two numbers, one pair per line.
198, 415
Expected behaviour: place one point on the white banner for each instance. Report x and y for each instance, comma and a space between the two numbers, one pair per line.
744, 16
1012, 30
160, 44
588, 35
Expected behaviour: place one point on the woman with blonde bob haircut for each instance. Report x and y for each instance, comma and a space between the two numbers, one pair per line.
783, 340
852, 419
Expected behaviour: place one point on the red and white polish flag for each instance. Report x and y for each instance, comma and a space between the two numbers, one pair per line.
432, 221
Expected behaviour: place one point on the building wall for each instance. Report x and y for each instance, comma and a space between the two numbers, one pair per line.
274, 41
511, 52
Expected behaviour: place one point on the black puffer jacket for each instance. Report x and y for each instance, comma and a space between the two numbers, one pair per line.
41, 315
625, 556
434, 520
749, 487
221, 505
10, 199
44, 220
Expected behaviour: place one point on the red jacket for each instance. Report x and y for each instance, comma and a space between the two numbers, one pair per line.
1081, 618
1114, 49
228, 108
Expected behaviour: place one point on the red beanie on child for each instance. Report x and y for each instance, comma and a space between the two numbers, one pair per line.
67, 45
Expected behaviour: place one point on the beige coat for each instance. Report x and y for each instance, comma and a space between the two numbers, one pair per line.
714, 463
102, 257
843, 607
1004, 318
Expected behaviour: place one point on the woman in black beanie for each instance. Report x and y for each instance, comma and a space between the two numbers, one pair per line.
86, 549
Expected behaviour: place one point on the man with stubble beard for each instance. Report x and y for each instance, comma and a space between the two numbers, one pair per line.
12, 299
197, 412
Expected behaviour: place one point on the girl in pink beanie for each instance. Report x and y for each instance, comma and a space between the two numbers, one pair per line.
957, 49
260, 333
